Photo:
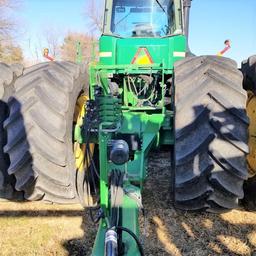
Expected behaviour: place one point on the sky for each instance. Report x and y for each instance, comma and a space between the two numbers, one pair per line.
214, 21
211, 23
38, 17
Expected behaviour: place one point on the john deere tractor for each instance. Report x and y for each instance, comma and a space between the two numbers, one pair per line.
74, 136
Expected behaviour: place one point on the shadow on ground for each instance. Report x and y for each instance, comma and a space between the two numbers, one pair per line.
172, 232
42, 229
83, 245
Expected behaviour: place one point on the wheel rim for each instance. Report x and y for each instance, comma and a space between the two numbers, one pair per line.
80, 148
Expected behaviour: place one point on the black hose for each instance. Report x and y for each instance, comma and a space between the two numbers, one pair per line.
80, 178
84, 178
134, 237
92, 161
99, 214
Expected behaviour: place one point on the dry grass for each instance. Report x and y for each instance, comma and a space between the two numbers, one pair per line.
172, 232
41, 229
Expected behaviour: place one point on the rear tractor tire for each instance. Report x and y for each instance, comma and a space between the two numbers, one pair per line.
249, 71
40, 131
8, 75
210, 134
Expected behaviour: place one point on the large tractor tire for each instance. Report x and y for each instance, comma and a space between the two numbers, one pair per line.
210, 134
249, 71
40, 131
8, 75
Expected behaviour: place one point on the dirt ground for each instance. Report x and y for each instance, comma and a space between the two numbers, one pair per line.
45, 229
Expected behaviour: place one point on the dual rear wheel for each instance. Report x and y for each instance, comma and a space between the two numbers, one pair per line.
47, 103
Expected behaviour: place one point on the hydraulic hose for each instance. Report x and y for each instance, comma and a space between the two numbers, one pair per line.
134, 237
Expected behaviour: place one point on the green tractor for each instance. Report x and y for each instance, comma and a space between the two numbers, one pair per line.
74, 136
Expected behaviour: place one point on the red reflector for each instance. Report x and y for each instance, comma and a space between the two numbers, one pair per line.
142, 57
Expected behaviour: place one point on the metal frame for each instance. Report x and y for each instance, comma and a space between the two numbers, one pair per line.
153, 126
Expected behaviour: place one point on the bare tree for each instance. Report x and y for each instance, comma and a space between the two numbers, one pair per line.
94, 13
69, 47
53, 40
7, 22
9, 51
35, 50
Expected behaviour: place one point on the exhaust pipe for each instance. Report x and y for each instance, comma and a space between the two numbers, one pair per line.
186, 11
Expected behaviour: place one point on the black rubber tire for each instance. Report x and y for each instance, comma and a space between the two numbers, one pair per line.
39, 131
8, 75
249, 200
210, 134
248, 69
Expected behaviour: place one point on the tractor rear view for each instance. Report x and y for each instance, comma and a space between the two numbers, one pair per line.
73, 139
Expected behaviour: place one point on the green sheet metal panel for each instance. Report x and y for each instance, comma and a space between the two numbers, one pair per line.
121, 51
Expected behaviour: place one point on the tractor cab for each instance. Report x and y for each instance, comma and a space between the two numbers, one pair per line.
153, 27
141, 41
143, 18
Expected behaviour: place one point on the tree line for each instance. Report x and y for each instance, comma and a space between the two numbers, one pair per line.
59, 48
